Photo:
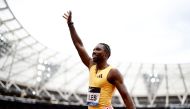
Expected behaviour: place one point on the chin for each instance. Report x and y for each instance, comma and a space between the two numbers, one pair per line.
95, 60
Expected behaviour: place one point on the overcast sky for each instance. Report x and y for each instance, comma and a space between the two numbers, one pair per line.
156, 31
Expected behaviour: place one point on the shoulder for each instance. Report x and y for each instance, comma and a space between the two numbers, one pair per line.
114, 75
114, 72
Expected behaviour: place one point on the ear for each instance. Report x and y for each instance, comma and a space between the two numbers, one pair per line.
106, 55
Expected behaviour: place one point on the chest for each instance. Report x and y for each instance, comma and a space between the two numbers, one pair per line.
99, 78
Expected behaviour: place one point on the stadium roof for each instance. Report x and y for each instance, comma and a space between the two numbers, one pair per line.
26, 60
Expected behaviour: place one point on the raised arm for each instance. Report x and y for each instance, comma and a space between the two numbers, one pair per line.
116, 79
77, 41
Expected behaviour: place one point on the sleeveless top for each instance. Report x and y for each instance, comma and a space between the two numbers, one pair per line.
100, 90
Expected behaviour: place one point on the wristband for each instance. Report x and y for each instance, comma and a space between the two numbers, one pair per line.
70, 23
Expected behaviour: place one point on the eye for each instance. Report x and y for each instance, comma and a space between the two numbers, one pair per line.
98, 49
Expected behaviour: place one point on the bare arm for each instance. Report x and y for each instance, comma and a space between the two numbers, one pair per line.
77, 41
116, 79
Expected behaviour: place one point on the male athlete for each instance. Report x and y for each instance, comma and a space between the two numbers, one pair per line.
103, 79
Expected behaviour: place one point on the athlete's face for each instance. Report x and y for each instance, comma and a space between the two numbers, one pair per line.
98, 53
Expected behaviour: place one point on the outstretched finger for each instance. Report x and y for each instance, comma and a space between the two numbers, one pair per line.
65, 17
69, 13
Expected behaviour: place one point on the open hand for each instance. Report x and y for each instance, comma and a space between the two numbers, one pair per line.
68, 16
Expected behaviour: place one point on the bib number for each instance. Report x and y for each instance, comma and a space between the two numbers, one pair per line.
93, 96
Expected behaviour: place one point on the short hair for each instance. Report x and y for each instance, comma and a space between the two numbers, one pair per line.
107, 48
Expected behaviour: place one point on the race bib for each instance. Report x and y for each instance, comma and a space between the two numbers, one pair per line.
93, 96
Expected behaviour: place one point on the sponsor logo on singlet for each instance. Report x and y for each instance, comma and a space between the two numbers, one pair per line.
99, 76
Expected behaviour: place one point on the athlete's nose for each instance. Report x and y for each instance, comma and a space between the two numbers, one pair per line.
94, 52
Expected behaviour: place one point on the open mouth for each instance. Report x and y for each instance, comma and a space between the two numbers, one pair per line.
94, 57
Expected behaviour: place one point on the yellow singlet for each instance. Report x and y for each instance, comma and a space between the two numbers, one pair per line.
100, 90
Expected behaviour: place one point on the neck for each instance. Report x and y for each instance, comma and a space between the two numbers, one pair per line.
102, 65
